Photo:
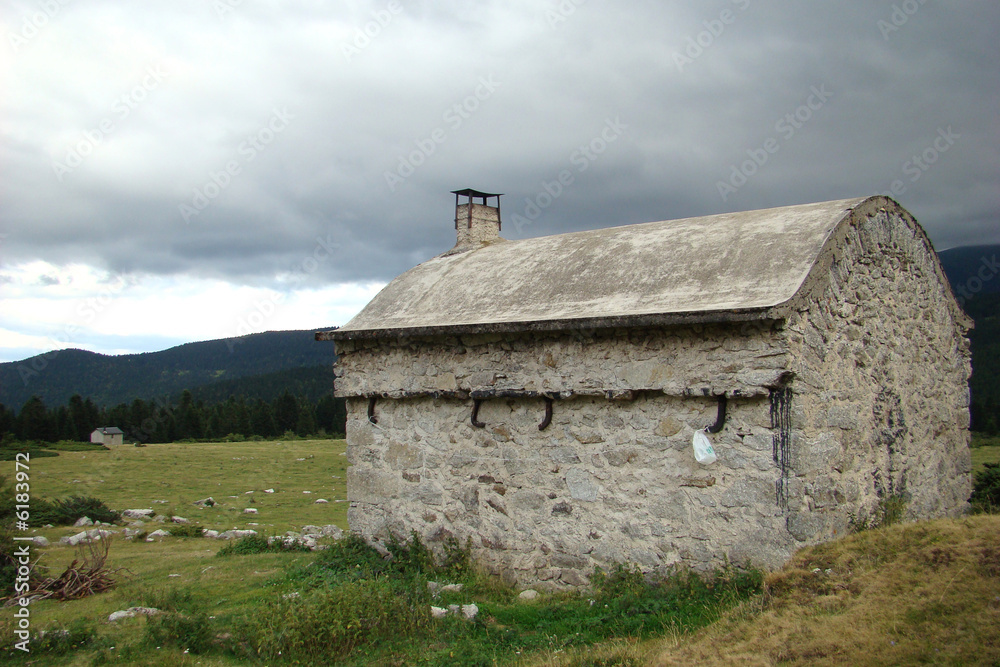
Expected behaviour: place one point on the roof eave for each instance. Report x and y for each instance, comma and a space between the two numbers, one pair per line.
561, 325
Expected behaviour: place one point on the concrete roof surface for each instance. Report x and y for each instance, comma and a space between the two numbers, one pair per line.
720, 263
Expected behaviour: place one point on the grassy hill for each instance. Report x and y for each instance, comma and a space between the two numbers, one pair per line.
109, 380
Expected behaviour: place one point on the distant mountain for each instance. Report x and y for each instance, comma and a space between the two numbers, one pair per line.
110, 380
972, 270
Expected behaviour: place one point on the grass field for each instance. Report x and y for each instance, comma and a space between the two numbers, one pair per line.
927, 592
155, 572
181, 473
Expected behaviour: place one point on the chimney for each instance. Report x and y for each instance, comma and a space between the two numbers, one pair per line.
476, 225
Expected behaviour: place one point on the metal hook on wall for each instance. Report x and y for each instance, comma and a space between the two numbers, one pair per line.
371, 410
475, 413
720, 420
548, 414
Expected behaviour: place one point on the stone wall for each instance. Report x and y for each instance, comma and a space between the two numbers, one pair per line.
741, 360
882, 403
613, 477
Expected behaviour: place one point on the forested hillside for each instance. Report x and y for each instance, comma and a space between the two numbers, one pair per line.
109, 380
975, 279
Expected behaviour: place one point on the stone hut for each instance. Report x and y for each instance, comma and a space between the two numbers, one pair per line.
540, 397
110, 436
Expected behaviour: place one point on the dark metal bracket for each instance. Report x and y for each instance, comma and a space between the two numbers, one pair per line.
371, 410
475, 413
720, 420
548, 415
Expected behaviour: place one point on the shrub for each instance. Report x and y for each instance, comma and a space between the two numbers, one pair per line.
985, 496
259, 544
65, 512
186, 530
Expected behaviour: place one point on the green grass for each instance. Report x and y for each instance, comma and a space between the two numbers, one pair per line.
983, 455
182, 473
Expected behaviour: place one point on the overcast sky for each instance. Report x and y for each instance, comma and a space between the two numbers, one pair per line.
197, 169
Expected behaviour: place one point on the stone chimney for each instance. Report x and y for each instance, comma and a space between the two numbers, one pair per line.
476, 225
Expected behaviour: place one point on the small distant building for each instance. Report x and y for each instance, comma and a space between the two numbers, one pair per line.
110, 436
539, 398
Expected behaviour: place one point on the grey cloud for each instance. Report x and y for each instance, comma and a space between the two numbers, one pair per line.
322, 176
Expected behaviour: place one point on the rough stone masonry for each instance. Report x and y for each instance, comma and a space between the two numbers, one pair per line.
538, 398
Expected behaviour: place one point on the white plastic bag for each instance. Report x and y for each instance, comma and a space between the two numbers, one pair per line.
703, 452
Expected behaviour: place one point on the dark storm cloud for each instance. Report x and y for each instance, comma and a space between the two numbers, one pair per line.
285, 128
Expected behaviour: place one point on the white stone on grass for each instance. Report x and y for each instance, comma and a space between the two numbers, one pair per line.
138, 514
157, 534
438, 612
83, 521
529, 594
132, 612
250, 510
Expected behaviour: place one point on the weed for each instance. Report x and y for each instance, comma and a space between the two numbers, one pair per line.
985, 496
259, 544
329, 623
889, 510
187, 530
193, 633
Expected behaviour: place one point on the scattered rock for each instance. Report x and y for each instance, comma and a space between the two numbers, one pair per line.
311, 530
137, 524
529, 594
172, 575
332, 531
291, 596
268, 490
209, 533
138, 514
86, 536
159, 502
307, 492
39, 541
132, 612
157, 534
83, 521
320, 501
469, 611
178, 519
207, 502
438, 612
451, 588
250, 510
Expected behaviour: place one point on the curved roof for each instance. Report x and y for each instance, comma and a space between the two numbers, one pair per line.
714, 268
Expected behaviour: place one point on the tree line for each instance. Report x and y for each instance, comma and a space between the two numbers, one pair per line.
151, 421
